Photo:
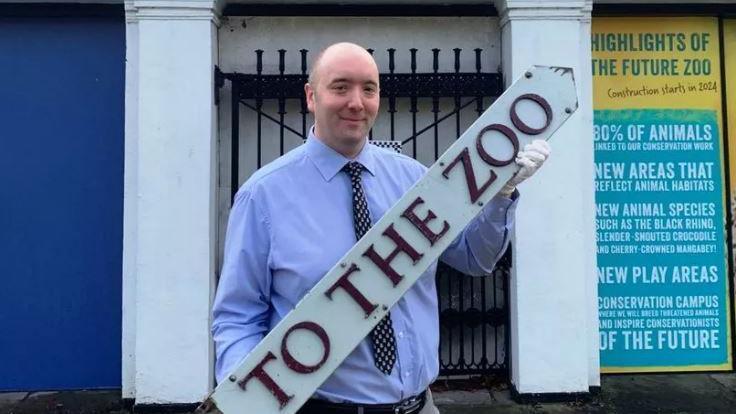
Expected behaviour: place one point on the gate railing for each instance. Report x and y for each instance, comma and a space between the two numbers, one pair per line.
473, 311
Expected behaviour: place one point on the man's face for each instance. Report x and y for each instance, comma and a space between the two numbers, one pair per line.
345, 99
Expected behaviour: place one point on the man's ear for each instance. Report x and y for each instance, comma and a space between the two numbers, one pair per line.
309, 92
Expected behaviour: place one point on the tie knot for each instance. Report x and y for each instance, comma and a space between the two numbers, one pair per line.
353, 168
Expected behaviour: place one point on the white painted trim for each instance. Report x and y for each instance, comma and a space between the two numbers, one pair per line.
175, 10
130, 219
547, 10
170, 229
553, 288
589, 251
130, 12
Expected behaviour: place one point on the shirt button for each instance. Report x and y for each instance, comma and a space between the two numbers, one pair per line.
406, 374
401, 334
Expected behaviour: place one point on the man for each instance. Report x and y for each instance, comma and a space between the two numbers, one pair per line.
297, 216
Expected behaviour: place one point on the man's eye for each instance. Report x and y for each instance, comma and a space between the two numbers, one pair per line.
340, 88
369, 91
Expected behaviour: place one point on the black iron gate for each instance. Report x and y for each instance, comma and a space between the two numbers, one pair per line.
473, 311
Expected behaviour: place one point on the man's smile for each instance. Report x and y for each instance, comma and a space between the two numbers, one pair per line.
353, 120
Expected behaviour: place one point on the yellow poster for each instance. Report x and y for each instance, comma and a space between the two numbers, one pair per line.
660, 195
729, 47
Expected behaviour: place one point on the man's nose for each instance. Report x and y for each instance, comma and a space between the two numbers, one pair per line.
355, 100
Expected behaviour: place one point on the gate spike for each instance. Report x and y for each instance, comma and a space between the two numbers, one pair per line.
282, 54
477, 59
391, 65
259, 61
457, 59
435, 59
304, 60
413, 60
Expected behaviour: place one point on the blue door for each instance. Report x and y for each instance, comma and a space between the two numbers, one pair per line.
61, 202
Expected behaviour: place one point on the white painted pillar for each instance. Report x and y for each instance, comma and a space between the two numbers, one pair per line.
553, 289
170, 185
130, 204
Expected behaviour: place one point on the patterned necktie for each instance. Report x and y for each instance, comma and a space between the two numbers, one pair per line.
382, 336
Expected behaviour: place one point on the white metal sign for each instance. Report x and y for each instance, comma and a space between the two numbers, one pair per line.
301, 352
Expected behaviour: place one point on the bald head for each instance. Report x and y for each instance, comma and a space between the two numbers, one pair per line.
335, 51
343, 95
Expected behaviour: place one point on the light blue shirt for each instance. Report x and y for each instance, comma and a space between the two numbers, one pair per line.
290, 224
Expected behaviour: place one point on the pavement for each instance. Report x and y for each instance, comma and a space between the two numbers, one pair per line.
621, 394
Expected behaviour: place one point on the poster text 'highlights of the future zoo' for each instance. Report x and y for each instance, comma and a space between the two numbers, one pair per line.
663, 302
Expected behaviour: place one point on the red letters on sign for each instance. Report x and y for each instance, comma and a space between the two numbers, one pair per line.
259, 373
464, 156
475, 192
385, 264
421, 224
523, 127
345, 283
297, 366
485, 156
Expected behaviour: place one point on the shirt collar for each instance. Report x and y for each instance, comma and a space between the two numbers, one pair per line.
329, 162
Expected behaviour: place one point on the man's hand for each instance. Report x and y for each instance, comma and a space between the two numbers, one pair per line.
530, 158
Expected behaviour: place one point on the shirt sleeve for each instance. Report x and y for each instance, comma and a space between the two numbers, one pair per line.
241, 310
483, 241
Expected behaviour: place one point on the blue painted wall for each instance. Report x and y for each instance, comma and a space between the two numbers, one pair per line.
61, 201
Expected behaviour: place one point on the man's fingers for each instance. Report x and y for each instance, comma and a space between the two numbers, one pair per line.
537, 152
533, 155
530, 159
526, 163
539, 145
